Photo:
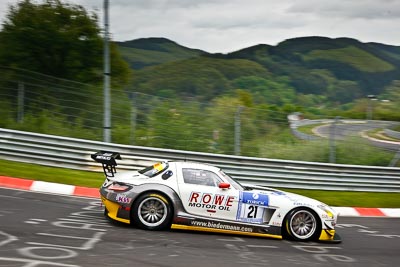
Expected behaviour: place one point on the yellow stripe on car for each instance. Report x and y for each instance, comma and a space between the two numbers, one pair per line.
112, 209
327, 235
160, 197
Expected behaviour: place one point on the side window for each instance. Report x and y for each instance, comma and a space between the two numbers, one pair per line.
200, 177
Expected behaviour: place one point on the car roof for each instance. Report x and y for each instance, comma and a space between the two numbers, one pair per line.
195, 165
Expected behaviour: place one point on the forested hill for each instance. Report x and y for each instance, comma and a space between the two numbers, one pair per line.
303, 71
145, 52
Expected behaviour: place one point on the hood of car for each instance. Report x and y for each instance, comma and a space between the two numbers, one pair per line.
280, 194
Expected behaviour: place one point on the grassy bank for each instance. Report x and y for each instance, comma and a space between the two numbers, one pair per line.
95, 179
50, 174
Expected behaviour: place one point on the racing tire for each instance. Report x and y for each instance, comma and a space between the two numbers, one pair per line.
302, 224
152, 211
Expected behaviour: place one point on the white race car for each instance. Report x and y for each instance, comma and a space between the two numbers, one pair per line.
200, 197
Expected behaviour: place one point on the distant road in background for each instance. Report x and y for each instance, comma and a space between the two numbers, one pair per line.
344, 129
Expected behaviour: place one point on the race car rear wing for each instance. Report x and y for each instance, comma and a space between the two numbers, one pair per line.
108, 160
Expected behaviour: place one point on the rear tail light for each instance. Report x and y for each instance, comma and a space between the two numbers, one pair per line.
118, 187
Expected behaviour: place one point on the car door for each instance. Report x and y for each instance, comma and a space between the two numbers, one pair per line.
201, 195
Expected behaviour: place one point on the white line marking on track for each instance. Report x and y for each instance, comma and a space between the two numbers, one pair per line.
234, 239
260, 246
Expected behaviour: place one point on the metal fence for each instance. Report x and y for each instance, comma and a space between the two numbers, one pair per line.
74, 153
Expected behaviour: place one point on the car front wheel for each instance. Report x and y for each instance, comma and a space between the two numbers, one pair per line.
152, 211
303, 225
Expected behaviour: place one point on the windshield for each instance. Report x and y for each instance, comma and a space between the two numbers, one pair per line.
155, 169
231, 181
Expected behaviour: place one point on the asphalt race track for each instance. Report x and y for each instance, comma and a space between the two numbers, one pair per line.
342, 131
44, 230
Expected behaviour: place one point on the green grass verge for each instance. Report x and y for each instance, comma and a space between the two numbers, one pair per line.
95, 179
50, 174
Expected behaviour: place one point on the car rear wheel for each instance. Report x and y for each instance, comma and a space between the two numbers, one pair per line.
303, 225
152, 211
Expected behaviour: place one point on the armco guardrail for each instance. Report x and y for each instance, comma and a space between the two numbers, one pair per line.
75, 153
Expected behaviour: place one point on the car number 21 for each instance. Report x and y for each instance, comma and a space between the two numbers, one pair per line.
251, 213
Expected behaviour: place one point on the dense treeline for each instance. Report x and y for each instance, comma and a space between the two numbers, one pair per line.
57, 39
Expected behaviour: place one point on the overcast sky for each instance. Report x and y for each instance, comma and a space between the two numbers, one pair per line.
229, 25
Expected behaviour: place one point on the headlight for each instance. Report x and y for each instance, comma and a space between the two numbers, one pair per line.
327, 210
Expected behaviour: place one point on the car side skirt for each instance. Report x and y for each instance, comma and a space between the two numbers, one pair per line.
198, 223
214, 230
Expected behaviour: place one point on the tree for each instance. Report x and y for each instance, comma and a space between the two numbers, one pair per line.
56, 39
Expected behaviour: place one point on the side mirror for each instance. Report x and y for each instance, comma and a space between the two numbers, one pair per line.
224, 185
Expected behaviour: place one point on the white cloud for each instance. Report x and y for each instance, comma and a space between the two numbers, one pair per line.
361, 9
228, 25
